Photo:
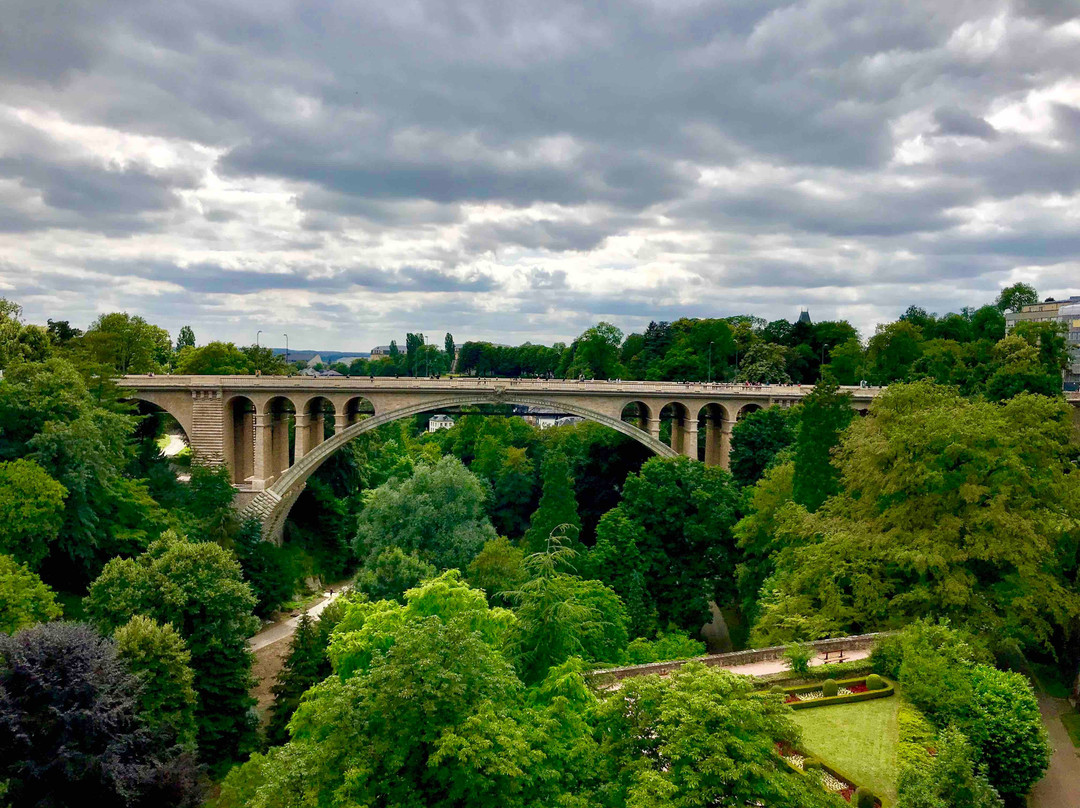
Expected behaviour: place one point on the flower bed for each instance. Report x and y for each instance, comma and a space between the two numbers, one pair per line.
831, 779
849, 690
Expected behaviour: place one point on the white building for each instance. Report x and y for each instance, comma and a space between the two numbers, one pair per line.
440, 421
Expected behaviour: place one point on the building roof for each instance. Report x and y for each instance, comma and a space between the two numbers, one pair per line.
804, 317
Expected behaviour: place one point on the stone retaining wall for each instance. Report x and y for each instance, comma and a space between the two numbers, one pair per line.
857, 642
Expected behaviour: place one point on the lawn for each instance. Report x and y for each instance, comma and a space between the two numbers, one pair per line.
858, 740
1071, 720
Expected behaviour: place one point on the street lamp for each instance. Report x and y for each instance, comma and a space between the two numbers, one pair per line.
710, 362
257, 337
286, 348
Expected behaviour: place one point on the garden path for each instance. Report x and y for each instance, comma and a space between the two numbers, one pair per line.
1060, 786
286, 628
779, 665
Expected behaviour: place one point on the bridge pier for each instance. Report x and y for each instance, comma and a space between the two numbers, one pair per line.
718, 442
303, 436
262, 474
689, 436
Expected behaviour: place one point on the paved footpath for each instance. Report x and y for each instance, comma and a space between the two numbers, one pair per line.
1060, 786
778, 665
284, 629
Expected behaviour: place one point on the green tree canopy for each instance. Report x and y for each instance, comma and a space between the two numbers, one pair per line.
823, 415
31, 511
127, 344
158, 656
198, 588
654, 755
1015, 297
685, 511
961, 509
756, 439
71, 732
214, 359
438, 513
558, 504
24, 599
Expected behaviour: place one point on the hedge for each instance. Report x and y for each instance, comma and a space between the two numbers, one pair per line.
821, 766
844, 699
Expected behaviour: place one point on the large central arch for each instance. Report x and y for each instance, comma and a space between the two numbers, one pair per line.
272, 506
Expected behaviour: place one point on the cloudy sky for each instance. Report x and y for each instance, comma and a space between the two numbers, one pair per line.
345, 170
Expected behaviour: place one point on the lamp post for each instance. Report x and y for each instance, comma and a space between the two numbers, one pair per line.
257, 333
286, 348
710, 362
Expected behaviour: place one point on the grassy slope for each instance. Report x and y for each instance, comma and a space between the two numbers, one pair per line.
857, 739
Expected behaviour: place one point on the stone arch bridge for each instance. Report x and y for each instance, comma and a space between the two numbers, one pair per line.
273, 432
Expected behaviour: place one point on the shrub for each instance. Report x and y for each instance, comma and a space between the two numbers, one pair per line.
812, 764
875, 682
830, 688
864, 798
776, 689
798, 657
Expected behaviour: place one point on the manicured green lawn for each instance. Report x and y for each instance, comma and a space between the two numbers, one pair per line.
858, 740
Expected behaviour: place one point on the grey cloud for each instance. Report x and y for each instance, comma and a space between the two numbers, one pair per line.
390, 130
209, 278
956, 121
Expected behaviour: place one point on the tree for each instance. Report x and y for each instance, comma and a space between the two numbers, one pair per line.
20, 342
558, 504
617, 561
595, 354
949, 507
127, 344
652, 754
306, 665
756, 440
70, 728
892, 351
391, 573
61, 332
24, 599
214, 359
437, 513
764, 531
1015, 297
764, 363
31, 511
949, 780
448, 345
685, 511
499, 568
825, 413
198, 588
267, 568
1019, 369
1006, 730
186, 339
561, 615
514, 491
157, 655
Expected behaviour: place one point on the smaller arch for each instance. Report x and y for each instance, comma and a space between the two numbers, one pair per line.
745, 410
636, 413
279, 414
675, 420
714, 431
238, 438
156, 423
356, 409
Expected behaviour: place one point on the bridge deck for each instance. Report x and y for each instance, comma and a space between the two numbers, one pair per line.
458, 384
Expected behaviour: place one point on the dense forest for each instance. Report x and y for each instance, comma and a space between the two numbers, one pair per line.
494, 565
